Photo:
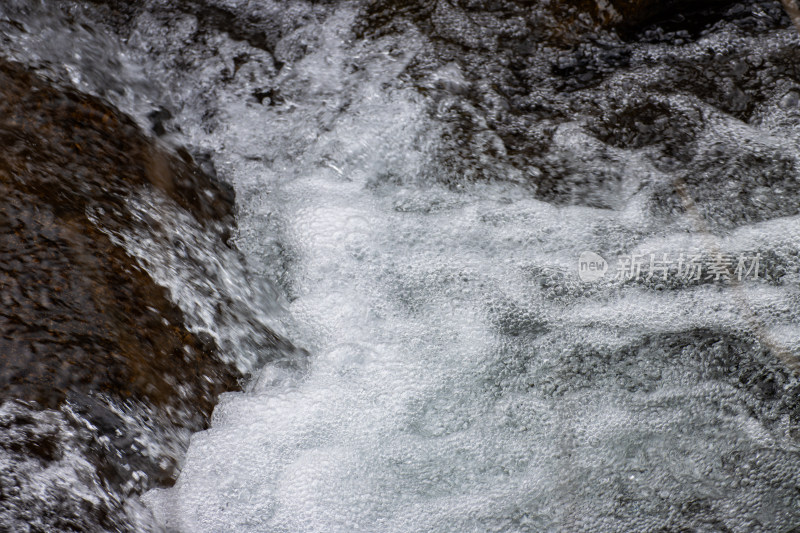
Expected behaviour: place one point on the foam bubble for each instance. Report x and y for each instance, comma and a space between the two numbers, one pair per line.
462, 378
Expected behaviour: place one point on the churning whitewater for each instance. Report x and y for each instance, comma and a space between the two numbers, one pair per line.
417, 232
461, 377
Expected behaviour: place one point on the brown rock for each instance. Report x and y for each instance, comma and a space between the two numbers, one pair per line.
79, 319
77, 312
634, 12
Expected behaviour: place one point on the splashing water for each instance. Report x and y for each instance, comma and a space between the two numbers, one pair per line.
461, 376
462, 379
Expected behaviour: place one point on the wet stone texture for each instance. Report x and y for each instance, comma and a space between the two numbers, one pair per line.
80, 321
506, 78
261, 25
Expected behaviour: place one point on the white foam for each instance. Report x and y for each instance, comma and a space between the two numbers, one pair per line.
419, 411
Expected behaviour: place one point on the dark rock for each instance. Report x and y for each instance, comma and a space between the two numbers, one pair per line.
78, 313
261, 27
629, 13
80, 321
564, 23
529, 69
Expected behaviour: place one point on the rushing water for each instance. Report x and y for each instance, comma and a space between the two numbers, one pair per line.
417, 230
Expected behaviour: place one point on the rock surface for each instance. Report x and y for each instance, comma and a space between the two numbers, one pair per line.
506, 78
634, 12
78, 313
81, 323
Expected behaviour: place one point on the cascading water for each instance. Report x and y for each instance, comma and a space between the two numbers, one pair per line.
461, 376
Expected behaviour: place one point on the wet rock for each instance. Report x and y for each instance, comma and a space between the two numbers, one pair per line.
731, 184
482, 23
82, 325
44, 449
538, 84
262, 27
639, 124
629, 13
748, 365
78, 312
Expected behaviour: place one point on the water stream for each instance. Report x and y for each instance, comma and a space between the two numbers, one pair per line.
414, 221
